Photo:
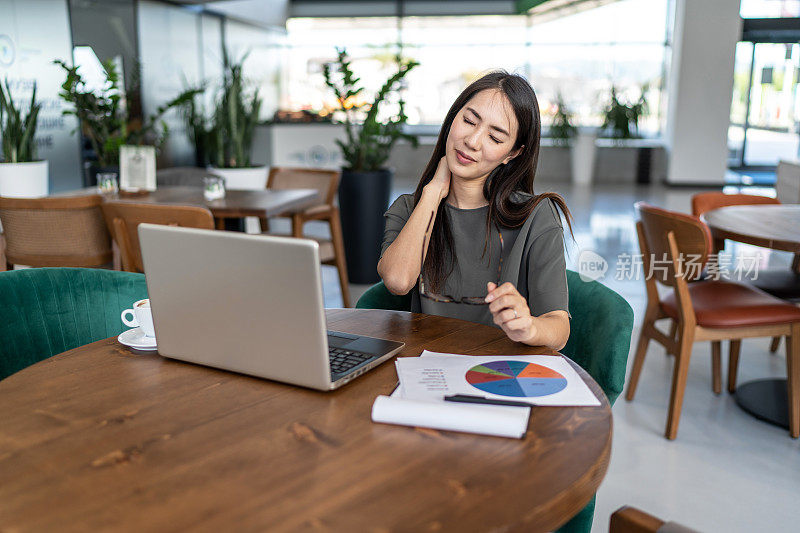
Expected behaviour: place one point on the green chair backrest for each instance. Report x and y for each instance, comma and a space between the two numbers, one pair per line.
379, 297
599, 341
46, 311
600, 333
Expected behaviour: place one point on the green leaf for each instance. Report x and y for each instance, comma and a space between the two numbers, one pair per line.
17, 130
368, 143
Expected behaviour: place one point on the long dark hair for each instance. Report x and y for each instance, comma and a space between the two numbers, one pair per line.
515, 176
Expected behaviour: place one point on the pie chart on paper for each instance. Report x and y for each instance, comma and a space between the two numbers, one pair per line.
516, 379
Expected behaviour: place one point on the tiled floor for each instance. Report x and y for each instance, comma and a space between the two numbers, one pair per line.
726, 471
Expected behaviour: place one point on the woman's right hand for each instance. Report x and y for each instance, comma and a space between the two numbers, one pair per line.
440, 184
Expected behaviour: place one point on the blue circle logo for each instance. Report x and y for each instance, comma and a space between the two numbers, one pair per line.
6, 51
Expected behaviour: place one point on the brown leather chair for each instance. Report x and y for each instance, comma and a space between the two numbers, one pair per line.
123, 219
326, 182
632, 520
55, 232
706, 201
784, 284
707, 310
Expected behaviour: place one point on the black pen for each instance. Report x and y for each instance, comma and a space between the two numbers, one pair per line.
466, 398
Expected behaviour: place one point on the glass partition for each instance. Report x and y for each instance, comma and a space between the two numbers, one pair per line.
623, 44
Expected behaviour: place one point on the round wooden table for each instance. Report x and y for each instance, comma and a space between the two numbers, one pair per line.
768, 226
101, 438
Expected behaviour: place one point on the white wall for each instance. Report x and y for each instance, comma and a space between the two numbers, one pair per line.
32, 34
700, 89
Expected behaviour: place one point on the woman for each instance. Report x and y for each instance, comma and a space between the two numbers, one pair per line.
474, 242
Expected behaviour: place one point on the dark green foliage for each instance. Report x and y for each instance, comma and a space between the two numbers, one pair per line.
225, 140
17, 130
623, 118
104, 118
562, 129
369, 142
197, 128
234, 119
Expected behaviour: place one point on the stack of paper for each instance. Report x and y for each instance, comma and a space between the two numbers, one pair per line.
501, 421
425, 381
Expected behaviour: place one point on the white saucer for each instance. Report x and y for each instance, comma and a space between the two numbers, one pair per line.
136, 339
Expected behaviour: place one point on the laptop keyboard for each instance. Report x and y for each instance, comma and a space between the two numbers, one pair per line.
344, 360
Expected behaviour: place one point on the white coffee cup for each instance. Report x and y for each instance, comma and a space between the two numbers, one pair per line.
142, 317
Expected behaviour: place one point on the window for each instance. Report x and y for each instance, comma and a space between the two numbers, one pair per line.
623, 44
769, 8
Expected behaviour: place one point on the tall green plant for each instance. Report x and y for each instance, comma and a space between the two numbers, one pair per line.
197, 129
562, 129
230, 138
623, 117
17, 130
369, 142
104, 118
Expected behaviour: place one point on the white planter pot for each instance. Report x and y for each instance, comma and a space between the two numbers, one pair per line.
583, 155
254, 179
24, 180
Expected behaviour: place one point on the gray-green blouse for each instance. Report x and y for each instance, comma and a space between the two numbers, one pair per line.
533, 260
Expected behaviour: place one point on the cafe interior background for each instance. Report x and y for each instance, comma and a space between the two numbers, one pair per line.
719, 82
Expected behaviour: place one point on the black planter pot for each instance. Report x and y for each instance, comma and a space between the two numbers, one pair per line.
363, 198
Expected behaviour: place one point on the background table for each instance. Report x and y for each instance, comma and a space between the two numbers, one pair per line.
236, 204
768, 226
99, 438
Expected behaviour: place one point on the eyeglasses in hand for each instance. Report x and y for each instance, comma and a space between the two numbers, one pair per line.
444, 298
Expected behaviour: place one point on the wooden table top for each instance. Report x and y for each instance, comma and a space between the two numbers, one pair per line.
769, 226
236, 204
102, 438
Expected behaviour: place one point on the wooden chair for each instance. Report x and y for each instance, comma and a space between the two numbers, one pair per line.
706, 201
632, 520
55, 232
704, 310
326, 182
784, 284
123, 219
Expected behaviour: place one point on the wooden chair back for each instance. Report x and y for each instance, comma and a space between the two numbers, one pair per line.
706, 201
326, 182
123, 219
55, 232
692, 237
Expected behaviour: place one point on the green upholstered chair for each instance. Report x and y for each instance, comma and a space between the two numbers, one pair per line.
379, 297
599, 341
46, 311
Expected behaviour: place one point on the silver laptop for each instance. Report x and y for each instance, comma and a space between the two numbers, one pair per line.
251, 304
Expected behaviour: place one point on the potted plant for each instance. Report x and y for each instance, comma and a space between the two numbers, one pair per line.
622, 118
580, 140
105, 119
366, 182
228, 141
21, 175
